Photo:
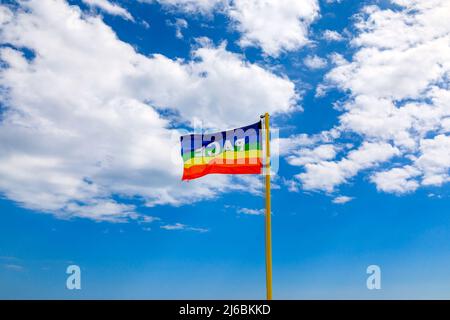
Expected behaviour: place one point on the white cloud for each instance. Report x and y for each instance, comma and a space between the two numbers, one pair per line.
145, 24
306, 155
342, 199
180, 226
13, 267
397, 83
292, 185
286, 146
225, 90
337, 59
326, 175
192, 6
5, 15
434, 160
149, 219
110, 8
273, 25
179, 24
80, 128
176, 226
253, 212
332, 35
315, 62
397, 180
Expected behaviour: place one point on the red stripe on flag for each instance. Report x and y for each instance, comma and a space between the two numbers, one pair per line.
252, 167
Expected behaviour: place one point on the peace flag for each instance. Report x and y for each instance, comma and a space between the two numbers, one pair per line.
236, 151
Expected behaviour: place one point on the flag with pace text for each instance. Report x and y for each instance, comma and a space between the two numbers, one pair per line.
237, 151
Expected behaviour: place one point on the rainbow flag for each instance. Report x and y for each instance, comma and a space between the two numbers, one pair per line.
237, 151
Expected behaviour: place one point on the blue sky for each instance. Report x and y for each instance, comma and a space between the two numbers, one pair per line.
94, 96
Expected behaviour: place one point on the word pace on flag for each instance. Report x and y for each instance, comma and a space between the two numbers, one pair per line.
236, 151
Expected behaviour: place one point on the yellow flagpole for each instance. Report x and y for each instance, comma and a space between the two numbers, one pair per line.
268, 213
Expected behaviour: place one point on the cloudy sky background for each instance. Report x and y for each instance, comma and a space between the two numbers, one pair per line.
94, 95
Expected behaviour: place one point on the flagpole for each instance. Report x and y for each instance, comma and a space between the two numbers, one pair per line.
268, 213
